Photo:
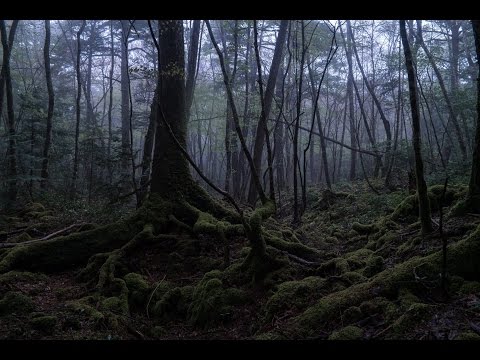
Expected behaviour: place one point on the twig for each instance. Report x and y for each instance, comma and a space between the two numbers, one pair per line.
151, 295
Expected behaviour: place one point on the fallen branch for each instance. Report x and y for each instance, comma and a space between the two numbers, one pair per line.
52, 235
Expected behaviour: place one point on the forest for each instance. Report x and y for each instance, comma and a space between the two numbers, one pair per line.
240, 179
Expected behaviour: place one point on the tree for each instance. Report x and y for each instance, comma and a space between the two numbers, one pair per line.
473, 197
423, 202
51, 102
7, 44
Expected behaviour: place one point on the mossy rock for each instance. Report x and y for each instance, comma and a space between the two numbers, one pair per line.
363, 229
352, 315
34, 207
347, 333
375, 265
138, 289
211, 302
336, 266
87, 307
16, 302
44, 323
173, 304
115, 305
415, 315
468, 336
293, 294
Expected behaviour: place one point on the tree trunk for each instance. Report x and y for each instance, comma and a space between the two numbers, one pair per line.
125, 103
51, 100
191, 66
110, 105
7, 43
351, 111
423, 202
77, 110
473, 197
260, 132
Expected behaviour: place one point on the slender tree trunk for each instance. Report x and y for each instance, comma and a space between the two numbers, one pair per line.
51, 101
192, 66
473, 197
423, 202
125, 103
77, 110
260, 136
110, 105
351, 110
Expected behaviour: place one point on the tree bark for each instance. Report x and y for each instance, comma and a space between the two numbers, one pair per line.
423, 202
260, 132
51, 102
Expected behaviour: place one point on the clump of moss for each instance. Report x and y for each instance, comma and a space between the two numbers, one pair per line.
86, 306
174, 303
363, 229
352, 314
358, 259
379, 305
415, 315
470, 287
375, 265
212, 302
352, 277
291, 294
347, 333
336, 266
115, 305
13, 277
16, 302
468, 335
44, 323
138, 289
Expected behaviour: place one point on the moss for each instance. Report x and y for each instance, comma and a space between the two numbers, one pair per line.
34, 207
21, 238
245, 251
379, 305
351, 277
336, 266
44, 323
385, 239
470, 287
12, 277
415, 315
211, 302
467, 336
16, 302
358, 258
68, 251
375, 264
87, 227
138, 289
158, 332
292, 294
455, 283
86, 306
363, 229
115, 305
174, 303
295, 248
347, 333
406, 298
352, 315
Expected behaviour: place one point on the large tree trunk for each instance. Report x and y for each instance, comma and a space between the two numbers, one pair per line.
7, 43
423, 203
260, 133
473, 198
51, 101
110, 105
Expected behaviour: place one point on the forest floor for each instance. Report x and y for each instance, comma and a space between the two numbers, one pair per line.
180, 290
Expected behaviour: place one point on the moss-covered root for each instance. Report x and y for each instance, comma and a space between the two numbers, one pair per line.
463, 260
68, 251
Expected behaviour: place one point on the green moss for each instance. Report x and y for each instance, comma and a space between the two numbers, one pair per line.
363, 229
358, 258
245, 251
351, 277
44, 323
138, 289
468, 336
415, 315
158, 332
211, 302
336, 266
68, 251
455, 283
12, 277
21, 238
352, 314
470, 287
385, 239
86, 306
174, 303
16, 302
406, 298
115, 305
295, 248
347, 333
292, 294
375, 264
34, 207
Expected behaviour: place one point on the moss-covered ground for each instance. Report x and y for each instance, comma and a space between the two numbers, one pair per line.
356, 268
